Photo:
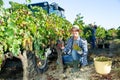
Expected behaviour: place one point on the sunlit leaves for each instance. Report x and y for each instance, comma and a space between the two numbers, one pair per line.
28, 1
24, 29
1, 3
79, 21
100, 32
15, 5
118, 32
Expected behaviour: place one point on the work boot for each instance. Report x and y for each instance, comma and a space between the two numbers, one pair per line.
75, 66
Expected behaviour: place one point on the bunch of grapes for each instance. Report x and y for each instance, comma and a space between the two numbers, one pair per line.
76, 47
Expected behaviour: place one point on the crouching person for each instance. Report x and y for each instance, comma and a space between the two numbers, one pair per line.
75, 50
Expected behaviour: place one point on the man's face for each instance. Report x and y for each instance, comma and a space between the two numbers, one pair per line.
75, 32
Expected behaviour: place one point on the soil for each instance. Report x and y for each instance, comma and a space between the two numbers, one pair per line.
86, 73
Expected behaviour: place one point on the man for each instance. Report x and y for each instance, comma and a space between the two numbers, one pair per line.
93, 38
76, 49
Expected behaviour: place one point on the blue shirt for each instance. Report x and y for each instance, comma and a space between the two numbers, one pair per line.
82, 44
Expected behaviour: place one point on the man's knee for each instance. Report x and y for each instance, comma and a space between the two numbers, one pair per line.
83, 61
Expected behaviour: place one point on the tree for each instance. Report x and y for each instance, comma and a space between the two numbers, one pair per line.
1, 3
26, 34
79, 21
118, 32
100, 35
100, 32
111, 33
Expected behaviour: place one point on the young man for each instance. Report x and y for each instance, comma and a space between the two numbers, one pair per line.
93, 38
76, 49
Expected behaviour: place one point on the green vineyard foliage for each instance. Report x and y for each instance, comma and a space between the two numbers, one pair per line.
22, 29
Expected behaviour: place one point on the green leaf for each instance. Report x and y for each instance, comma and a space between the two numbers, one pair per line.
28, 1
1, 3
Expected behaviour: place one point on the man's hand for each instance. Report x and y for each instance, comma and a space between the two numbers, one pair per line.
62, 47
80, 52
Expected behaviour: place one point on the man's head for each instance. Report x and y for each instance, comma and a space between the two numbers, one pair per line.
95, 26
75, 27
75, 30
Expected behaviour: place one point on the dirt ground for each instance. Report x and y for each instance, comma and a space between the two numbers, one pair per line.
89, 72
86, 73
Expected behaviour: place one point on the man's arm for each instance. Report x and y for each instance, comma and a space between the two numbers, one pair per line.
68, 46
84, 46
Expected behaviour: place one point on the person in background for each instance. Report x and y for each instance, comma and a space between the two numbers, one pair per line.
75, 50
93, 38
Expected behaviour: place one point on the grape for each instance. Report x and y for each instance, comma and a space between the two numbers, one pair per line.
76, 47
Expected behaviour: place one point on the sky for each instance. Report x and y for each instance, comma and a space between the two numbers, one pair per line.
105, 13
